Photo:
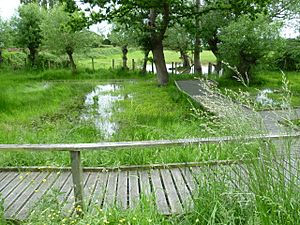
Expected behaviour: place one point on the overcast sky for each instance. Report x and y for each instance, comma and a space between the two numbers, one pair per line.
8, 8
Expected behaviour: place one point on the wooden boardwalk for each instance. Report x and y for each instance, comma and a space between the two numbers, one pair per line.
172, 189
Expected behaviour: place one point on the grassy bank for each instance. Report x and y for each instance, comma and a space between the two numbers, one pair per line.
46, 108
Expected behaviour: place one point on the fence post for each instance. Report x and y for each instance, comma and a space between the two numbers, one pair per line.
175, 67
113, 63
152, 66
93, 66
133, 65
209, 68
172, 67
77, 181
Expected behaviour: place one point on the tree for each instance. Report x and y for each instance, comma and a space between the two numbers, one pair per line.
178, 39
63, 34
47, 4
157, 16
245, 41
123, 37
28, 29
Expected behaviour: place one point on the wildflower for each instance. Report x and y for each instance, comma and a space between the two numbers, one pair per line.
197, 220
149, 220
44, 180
133, 218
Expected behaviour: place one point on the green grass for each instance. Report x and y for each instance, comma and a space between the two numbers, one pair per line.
103, 57
46, 107
267, 80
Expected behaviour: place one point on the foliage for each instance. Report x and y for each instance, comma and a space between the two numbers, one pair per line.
28, 29
245, 42
61, 33
290, 58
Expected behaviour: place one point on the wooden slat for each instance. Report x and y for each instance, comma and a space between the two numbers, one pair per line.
188, 177
99, 193
182, 189
8, 179
42, 189
25, 184
160, 198
14, 184
17, 203
145, 182
122, 196
134, 195
171, 192
138, 144
3, 175
69, 202
110, 195
89, 187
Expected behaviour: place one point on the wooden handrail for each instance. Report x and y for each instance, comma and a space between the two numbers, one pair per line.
138, 144
76, 149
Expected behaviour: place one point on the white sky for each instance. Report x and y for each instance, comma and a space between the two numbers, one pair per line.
9, 7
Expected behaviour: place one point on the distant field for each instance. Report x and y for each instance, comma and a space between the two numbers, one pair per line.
103, 57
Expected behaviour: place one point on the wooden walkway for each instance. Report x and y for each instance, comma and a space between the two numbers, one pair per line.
171, 188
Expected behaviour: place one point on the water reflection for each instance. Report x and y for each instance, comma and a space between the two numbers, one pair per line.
99, 105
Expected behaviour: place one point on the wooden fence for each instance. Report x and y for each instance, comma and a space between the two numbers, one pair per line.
76, 149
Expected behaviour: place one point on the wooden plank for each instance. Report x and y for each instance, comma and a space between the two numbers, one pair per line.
24, 185
110, 195
77, 181
139, 144
99, 193
134, 193
13, 184
63, 177
69, 203
14, 205
188, 177
8, 179
145, 182
36, 196
160, 198
182, 189
89, 187
3, 175
171, 192
122, 197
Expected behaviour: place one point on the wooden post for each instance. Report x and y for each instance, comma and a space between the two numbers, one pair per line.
209, 68
113, 63
77, 181
176, 68
172, 67
133, 65
93, 66
152, 66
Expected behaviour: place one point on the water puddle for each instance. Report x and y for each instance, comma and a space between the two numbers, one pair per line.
169, 68
263, 99
99, 105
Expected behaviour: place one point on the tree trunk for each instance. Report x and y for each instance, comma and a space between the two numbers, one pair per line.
73, 65
185, 59
124, 58
146, 57
160, 63
32, 56
1, 58
197, 49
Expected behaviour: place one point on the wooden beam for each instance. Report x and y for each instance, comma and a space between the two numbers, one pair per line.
139, 144
77, 172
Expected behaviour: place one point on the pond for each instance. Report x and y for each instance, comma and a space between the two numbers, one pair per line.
99, 106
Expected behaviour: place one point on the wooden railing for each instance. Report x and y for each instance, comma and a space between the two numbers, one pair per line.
76, 149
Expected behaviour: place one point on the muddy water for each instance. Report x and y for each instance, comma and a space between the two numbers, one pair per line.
99, 106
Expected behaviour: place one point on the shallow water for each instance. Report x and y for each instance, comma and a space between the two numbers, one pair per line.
99, 105
169, 68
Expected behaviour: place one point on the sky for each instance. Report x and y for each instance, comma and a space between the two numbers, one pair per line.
8, 9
